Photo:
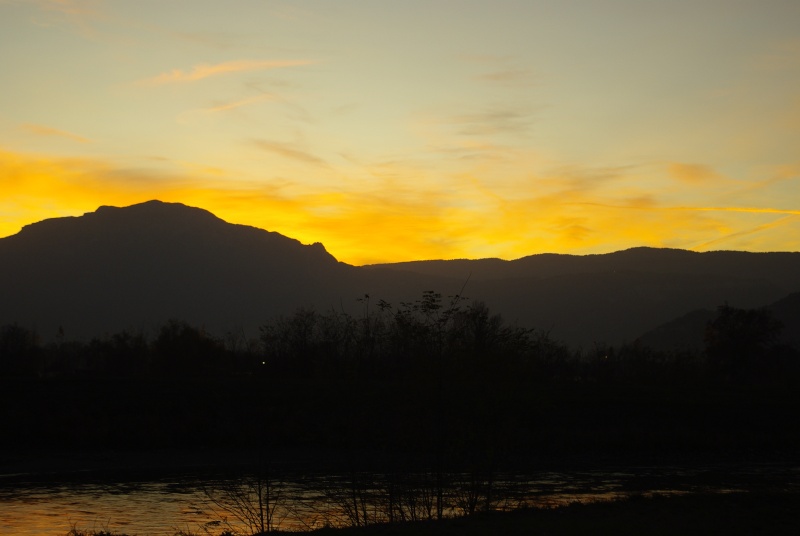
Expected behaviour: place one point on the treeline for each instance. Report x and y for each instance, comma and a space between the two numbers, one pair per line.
437, 378
431, 337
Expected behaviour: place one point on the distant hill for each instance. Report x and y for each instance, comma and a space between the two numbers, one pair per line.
778, 268
787, 311
137, 266
687, 332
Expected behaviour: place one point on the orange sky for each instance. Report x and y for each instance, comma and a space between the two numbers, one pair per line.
394, 131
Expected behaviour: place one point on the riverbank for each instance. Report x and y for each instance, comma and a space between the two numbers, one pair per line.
730, 514
726, 514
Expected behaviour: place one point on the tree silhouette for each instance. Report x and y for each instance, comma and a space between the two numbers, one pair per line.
183, 351
738, 341
18, 351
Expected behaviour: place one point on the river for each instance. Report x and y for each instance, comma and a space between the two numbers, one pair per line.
49, 504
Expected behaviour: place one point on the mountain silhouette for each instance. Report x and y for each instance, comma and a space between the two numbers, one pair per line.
134, 267
138, 266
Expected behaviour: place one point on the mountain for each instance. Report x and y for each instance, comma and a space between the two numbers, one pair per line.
137, 266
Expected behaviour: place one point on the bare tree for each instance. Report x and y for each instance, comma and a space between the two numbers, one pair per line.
252, 501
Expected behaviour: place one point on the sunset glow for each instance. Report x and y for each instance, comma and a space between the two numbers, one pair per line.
394, 131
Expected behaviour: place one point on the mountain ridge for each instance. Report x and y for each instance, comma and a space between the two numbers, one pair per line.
135, 267
640, 258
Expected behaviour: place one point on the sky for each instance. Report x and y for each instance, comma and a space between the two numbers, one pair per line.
393, 131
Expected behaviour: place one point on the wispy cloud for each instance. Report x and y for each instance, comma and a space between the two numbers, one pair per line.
508, 77
74, 7
492, 122
81, 16
69, 7
205, 70
289, 151
472, 150
692, 173
228, 106
216, 40
747, 232
743, 210
41, 130
780, 175
651, 206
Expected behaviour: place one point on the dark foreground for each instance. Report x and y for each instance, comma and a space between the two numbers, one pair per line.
686, 515
741, 513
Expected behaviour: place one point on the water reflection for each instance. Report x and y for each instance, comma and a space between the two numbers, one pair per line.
44, 509
160, 507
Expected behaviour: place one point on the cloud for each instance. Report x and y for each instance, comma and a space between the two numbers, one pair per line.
575, 230
386, 222
199, 72
228, 106
692, 173
288, 151
473, 150
742, 210
67, 7
781, 174
749, 231
492, 122
72, 7
41, 130
650, 205
238, 104
217, 40
508, 77
80, 16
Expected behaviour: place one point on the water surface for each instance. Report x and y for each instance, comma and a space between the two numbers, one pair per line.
32, 505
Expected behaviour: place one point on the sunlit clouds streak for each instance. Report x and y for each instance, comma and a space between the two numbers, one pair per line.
199, 72
692, 173
792, 218
389, 219
226, 107
41, 130
751, 210
238, 104
286, 150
